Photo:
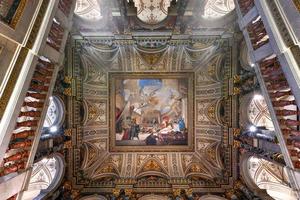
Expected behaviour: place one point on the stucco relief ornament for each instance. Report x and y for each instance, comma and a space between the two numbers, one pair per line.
236, 132
236, 79
236, 144
68, 92
236, 91
68, 132
68, 144
153, 11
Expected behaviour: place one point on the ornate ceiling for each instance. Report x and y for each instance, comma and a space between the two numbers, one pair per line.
94, 167
152, 37
177, 16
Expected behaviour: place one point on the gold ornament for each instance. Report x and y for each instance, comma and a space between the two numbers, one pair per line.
189, 191
236, 144
68, 92
176, 192
68, 79
68, 132
236, 132
152, 166
236, 90
68, 144
116, 192
128, 192
236, 79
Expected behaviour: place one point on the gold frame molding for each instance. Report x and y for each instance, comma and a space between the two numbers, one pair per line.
177, 148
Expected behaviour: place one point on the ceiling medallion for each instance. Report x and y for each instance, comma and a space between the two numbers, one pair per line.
152, 11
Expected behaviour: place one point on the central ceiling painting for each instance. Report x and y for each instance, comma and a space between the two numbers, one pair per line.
151, 110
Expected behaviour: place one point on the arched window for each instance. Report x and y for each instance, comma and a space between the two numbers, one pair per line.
55, 114
217, 8
94, 197
258, 112
88, 10
152, 12
270, 177
211, 197
46, 176
154, 197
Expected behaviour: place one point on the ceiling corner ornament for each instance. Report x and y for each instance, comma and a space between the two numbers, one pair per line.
152, 11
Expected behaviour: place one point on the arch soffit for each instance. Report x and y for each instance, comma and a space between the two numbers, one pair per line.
93, 197
58, 177
245, 172
153, 197
212, 197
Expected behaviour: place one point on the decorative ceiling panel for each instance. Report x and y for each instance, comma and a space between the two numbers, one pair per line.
153, 11
93, 167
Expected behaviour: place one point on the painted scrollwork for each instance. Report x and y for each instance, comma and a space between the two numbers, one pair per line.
105, 169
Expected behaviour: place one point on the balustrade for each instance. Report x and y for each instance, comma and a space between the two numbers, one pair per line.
65, 6
55, 35
23, 134
278, 92
28, 121
283, 102
257, 33
11, 168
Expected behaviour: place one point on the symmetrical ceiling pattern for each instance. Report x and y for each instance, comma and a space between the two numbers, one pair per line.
152, 37
96, 166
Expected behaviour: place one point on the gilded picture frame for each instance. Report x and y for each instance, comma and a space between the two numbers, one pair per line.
151, 112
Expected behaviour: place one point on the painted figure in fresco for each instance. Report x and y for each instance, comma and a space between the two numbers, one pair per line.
134, 130
119, 120
181, 124
151, 112
126, 135
151, 139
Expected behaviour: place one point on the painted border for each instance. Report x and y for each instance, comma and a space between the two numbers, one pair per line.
191, 116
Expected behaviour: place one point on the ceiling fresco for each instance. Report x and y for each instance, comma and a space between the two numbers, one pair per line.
92, 164
145, 38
